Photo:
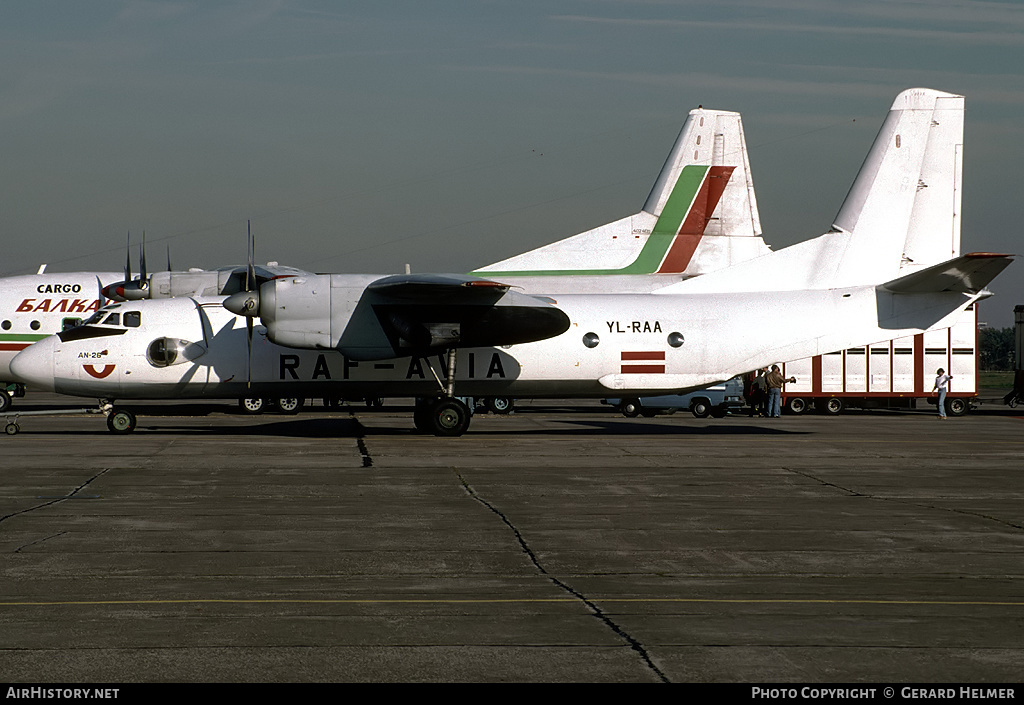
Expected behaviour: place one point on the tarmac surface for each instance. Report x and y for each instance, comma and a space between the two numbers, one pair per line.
560, 543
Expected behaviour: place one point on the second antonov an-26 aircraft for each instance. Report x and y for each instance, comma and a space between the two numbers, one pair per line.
889, 267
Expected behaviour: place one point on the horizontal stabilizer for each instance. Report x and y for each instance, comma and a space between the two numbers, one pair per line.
968, 274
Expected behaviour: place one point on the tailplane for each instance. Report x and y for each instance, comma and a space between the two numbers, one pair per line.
967, 274
700, 216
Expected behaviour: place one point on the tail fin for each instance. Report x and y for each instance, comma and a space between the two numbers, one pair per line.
904, 207
902, 213
700, 216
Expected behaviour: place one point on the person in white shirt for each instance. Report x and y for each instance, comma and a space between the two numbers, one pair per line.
941, 386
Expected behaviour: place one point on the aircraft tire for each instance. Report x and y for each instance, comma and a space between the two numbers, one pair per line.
500, 405
121, 421
630, 408
252, 405
12, 429
5, 400
447, 417
700, 408
289, 405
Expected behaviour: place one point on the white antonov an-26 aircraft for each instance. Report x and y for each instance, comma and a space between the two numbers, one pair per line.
889, 267
708, 167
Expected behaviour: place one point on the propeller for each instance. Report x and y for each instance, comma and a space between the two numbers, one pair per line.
131, 289
247, 303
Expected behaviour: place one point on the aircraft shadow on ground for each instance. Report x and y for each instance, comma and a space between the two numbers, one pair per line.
349, 427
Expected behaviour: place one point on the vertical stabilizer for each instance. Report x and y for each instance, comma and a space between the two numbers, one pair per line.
700, 216
902, 214
904, 207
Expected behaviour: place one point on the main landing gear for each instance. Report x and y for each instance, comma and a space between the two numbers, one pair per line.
443, 415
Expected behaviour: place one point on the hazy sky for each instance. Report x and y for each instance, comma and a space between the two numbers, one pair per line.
358, 136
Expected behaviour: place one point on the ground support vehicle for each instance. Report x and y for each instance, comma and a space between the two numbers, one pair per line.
892, 374
715, 401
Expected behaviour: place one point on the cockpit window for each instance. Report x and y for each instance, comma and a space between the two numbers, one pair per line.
133, 319
113, 319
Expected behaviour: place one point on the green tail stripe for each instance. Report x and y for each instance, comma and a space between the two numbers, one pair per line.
680, 200
658, 242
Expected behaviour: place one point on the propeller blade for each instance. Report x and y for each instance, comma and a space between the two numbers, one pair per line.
128, 259
142, 261
168, 258
250, 272
248, 357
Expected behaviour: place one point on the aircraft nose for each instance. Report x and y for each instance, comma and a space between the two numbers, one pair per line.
34, 365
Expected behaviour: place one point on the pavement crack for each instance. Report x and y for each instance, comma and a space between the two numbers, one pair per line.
594, 609
56, 500
38, 541
909, 502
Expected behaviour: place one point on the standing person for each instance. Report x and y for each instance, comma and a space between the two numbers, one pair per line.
758, 393
941, 386
775, 380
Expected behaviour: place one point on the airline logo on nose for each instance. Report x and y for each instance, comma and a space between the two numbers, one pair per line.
99, 374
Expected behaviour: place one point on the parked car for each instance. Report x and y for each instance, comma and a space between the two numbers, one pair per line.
715, 401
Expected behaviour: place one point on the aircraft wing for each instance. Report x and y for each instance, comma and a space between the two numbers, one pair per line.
423, 313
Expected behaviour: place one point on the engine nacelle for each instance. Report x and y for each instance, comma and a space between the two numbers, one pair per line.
297, 311
375, 317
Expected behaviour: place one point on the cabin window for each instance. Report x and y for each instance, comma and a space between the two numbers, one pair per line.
34, 325
6, 325
591, 340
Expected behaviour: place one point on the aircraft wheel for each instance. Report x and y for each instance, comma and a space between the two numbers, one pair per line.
121, 421
700, 408
956, 407
500, 405
252, 405
5, 400
289, 405
448, 417
796, 405
630, 408
12, 429
833, 406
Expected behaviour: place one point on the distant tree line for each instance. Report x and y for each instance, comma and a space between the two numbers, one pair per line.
997, 348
